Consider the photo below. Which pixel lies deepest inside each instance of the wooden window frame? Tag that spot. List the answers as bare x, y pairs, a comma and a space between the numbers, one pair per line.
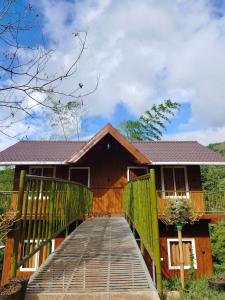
187, 194
193, 248
37, 255
81, 168
42, 167
134, 167
42, 172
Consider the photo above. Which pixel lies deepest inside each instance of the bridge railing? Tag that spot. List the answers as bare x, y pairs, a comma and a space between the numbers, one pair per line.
140, 207
45, 207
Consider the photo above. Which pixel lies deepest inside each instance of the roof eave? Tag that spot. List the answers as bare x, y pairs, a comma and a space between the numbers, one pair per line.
10, 163
215, 163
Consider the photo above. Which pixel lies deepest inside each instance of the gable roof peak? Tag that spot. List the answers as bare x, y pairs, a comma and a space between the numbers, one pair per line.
109, 129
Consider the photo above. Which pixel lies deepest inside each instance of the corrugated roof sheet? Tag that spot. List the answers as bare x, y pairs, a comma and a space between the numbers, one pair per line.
156, 152
178, 151
41, 151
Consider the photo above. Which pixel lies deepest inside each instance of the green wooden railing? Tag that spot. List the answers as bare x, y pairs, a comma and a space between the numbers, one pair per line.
45, 207
140, 207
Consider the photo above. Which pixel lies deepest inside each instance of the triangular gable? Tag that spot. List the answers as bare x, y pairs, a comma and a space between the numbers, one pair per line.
109, 129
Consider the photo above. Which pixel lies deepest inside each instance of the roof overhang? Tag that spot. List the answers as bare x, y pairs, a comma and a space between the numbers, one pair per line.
109, 129
12, 163
188, 163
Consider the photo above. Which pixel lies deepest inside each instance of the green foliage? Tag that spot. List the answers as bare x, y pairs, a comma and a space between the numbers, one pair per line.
213, 177
219, 268
195, 290
6, 179
191, 271
172, 284
219, 147
151, 124
217, 234
200, 290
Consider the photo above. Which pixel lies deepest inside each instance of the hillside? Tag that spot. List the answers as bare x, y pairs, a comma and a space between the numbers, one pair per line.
218, 147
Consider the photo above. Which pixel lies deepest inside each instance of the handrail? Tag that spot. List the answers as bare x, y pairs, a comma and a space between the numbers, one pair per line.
140, 207
55, 179
46, 206
142, 177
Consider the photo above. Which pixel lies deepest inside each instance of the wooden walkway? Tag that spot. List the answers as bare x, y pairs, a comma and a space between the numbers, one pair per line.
99, 260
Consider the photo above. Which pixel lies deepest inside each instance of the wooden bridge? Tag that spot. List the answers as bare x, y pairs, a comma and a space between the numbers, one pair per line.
98, 260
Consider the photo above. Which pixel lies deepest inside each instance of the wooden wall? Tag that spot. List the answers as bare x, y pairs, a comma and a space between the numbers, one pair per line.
108, 175
7, 258
199, 231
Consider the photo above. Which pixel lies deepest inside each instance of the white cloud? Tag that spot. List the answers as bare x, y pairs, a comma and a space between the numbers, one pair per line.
204, 136
144, 51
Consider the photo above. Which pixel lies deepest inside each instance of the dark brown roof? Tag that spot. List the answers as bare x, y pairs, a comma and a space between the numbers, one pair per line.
178, 152
60, 152
40, 151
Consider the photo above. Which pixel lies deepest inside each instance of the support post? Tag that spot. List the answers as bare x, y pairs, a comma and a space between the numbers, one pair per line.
181, 252
17, 224
155, 232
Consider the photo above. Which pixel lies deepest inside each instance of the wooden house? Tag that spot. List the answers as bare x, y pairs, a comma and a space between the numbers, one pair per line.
105, 163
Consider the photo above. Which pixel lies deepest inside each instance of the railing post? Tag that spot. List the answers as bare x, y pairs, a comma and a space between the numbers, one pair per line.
155, 231
51, 215
17, 225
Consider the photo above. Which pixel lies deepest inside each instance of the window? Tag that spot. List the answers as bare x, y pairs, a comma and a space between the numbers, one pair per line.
133, 172
174, 182
80, 175
189, 253
33, 263
41, 171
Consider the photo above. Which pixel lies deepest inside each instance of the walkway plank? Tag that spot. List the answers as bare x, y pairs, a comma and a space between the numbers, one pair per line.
99, 260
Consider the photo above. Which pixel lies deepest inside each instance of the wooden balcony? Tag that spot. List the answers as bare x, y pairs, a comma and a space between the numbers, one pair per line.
205, 204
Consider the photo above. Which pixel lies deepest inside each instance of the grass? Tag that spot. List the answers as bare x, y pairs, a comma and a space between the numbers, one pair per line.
195, 289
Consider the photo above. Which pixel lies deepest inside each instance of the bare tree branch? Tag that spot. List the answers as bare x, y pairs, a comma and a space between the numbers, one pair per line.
26, 81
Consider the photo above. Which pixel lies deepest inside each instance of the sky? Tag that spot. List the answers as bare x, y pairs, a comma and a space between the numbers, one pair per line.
142, 52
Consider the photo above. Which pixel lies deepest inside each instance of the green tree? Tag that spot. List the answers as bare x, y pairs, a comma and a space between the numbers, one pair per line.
151, 124
217, 233
213, 177
6, 178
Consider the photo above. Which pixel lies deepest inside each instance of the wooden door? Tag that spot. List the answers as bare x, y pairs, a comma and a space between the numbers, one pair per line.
108, 200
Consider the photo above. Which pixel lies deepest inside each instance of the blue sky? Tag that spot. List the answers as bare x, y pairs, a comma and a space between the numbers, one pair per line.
143, 52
